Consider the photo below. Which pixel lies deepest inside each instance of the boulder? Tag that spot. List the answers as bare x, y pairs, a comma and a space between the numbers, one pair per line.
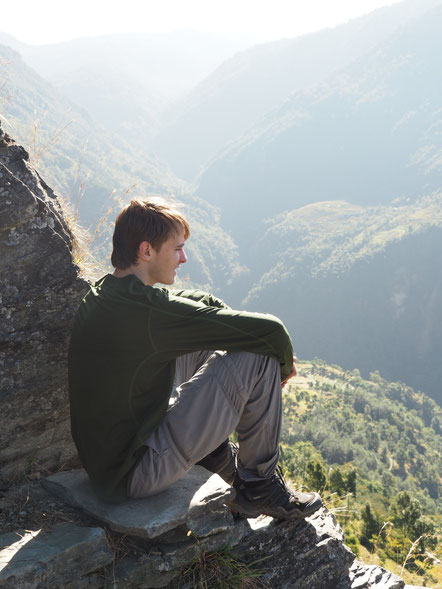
193, 503
362, 576
175, 526
166, 563
299, 554
39, 293
51, 559
189, 519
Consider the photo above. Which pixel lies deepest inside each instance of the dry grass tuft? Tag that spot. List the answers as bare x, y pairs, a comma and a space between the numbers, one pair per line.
222, 570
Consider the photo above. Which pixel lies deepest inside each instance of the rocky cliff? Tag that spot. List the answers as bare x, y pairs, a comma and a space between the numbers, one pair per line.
39, 290
180, 539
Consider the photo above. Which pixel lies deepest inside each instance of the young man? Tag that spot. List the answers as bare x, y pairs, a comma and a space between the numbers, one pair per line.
133, 343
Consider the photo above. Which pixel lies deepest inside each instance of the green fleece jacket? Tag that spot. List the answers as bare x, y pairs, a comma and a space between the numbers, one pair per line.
122, 352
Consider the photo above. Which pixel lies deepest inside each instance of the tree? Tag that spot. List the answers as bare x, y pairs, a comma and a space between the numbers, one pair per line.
350, 482
316, 475
372, 437
435, 424
388, 483
410, 527
430, 479
336, 482
371, 526
401, 454
406, 512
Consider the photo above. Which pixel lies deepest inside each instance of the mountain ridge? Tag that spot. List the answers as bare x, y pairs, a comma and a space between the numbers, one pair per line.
243, 89
97, 171
369, 134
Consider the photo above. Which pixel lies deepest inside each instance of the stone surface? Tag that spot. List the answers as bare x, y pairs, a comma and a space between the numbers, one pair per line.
39, 292
195, 501
291, 555
299, 555
362, 576
165, 563
51, 559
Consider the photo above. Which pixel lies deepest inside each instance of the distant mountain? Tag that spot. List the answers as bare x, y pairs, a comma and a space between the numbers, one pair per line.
115, 100
356, 276
357, 286
97, 170
243, 89
127, 80
369, 134
68, 146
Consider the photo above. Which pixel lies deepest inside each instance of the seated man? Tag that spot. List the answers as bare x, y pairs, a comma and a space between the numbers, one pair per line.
132, 341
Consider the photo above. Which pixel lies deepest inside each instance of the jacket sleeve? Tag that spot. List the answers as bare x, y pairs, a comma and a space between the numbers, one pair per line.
180, 326
200, 296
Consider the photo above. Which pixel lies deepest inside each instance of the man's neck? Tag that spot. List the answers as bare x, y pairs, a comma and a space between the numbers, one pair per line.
137, 270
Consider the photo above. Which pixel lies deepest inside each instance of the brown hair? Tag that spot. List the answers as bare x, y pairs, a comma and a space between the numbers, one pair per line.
152, 220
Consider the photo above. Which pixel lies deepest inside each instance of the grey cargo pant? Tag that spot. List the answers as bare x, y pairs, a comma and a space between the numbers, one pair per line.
218, 392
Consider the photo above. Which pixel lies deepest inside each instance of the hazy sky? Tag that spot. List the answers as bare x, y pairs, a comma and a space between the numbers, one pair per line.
50, 21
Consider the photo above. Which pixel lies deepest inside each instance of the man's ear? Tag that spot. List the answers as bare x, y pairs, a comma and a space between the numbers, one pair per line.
144, 251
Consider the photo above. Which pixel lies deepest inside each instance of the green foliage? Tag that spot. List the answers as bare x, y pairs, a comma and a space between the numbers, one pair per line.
348, 420
327, 238
412, 534
336, 482
352, 542
369, 448
408, 517
316, 476
371, 526
350, 484
342, 483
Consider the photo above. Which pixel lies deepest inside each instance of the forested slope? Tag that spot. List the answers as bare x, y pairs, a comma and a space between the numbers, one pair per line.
373, 449
359, 286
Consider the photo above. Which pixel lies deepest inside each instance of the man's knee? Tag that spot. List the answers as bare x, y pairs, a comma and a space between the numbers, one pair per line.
253, 366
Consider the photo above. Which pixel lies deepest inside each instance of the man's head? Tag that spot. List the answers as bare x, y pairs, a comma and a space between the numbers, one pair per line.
145, 221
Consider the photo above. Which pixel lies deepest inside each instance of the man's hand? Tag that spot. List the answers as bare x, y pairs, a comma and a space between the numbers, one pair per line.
293, 372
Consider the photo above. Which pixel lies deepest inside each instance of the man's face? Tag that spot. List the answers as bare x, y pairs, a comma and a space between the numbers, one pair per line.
165, 262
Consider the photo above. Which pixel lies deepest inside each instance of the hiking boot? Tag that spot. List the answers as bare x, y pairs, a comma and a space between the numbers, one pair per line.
222, 461
272, 497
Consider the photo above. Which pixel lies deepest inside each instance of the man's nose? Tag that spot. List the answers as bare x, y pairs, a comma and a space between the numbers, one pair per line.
183, 258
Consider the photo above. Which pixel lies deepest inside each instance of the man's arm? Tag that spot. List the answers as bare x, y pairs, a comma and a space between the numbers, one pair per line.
190, 325
200, 297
